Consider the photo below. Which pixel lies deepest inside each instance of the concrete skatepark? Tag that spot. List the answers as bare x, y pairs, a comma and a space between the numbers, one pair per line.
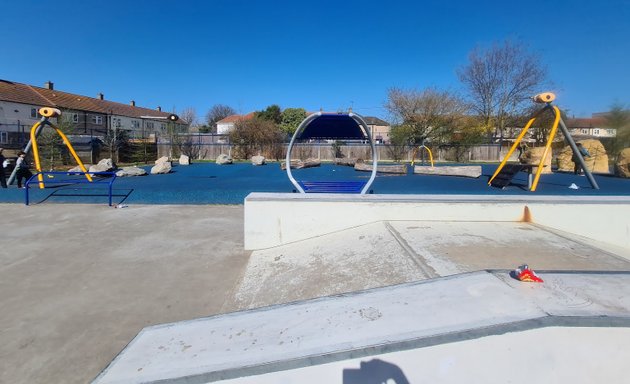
74, 299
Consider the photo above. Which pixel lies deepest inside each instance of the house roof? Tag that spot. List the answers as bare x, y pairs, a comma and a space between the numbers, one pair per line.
235, 118
370, 120
27, 94
588, 122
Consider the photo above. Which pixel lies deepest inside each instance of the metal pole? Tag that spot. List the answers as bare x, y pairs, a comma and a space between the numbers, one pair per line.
576, 151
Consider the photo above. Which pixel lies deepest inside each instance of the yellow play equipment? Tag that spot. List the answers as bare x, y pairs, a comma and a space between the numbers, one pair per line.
415, 150
37, 127
546, 98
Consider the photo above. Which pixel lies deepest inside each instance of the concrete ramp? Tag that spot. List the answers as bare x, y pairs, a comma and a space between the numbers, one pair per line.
382, 331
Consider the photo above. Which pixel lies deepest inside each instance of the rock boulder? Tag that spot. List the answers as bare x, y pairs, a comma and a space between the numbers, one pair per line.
163, 159
105, 165
223, 159
622, 166
164, 167
533, 156
130, 171
258, 160
596, 163
184, 160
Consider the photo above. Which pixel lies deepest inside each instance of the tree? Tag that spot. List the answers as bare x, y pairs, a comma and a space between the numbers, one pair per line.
216, 113
51, 143
500, 81
619, 118
428, 115
189, 115
252, 136
291, 119
272, 113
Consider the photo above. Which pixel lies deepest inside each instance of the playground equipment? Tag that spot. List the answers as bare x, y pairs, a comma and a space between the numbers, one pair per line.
332, 126
546, 98
36, 129
415, 150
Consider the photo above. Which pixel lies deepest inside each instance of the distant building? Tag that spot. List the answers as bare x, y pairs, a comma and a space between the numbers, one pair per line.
379, 129
20, 103
224, 126
592, 128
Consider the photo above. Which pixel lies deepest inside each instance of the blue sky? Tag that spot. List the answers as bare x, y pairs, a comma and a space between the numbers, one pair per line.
309, 54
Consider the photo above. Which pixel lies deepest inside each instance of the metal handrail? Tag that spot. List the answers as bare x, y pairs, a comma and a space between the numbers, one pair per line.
111, 177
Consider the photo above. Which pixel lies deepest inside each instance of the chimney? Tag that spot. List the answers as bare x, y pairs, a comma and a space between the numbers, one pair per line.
132, 103
159, 108
101, 96
49, 85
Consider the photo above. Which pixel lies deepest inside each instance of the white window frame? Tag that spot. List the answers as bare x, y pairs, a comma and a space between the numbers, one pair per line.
149, 125
4, 137
97, 119
135, 124
75, 117
596, 131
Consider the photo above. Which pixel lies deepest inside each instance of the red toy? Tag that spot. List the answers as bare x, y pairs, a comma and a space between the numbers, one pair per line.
523, 273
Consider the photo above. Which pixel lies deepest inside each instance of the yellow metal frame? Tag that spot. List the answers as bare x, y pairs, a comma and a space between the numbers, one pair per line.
518, 140
415, 150
51, 112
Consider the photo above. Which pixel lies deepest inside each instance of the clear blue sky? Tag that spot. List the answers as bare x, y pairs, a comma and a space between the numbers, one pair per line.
310, 54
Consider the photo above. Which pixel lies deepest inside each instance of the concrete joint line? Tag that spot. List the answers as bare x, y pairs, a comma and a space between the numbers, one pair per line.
417, 259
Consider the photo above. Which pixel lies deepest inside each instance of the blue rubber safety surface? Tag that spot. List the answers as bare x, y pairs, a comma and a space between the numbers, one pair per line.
208, 183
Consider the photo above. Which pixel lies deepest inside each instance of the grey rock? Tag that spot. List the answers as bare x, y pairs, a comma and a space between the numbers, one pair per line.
223, 159
184, 160
164, 167
130, 171
163, 159
105, 165
258, 160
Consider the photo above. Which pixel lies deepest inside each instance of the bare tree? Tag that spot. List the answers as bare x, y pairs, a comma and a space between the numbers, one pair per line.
189, 115
216, 113
430, 114
500, 80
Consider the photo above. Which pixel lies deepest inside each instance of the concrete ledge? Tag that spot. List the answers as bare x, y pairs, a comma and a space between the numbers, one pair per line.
370, 323
274, 219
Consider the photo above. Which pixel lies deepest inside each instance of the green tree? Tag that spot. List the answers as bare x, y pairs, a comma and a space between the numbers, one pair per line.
291, 119
254, 136
51, 143
271, 113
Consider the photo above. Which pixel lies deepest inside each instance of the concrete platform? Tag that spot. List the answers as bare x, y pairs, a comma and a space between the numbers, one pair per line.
78, 282
378, 322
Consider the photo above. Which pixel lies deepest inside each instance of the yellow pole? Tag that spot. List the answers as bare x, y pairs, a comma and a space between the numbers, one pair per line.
430, 154
547, 147
516, 142
413, 155
38, 165
74, 154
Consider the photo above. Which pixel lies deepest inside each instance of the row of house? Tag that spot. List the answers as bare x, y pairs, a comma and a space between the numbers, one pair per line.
93, 116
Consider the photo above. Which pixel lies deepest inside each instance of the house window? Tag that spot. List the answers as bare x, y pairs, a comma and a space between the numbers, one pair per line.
75, 117
595, 131
4, 138
116, 122
96, 119
35, 113
135, 124
611, 132
584, 131
149, 125
163, 126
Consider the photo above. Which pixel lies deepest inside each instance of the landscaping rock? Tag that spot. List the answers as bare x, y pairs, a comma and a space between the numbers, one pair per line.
299, 164
400, 169
78, 168
105, 165
532, 156
130, 171
163, 159
622, 166
348, 161
184, 160
473, 171
258, 160
164, 167
223, 159
596, 163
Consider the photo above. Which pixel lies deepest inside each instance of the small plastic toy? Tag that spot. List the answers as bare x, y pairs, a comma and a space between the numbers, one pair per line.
523, 273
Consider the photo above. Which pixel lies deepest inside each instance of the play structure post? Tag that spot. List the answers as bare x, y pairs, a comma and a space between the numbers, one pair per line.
39, 126
575, 150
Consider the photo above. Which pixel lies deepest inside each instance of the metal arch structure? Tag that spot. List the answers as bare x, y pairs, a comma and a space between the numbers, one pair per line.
361, 124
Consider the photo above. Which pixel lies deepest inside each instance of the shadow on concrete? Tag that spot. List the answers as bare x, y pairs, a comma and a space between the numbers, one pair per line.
61, 193
375, 371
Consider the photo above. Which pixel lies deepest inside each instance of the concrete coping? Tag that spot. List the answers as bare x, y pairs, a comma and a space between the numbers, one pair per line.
365, 323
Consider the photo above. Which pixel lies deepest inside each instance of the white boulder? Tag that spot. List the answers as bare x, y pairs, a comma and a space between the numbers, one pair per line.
130, 171
258, 160
184, 160
223, 159
164, 167
105, 165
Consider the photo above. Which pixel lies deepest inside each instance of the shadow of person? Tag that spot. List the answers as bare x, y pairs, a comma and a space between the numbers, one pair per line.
375, 371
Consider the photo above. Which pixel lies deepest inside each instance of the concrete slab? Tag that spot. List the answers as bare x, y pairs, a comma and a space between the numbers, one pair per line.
393, 252
367, 323
77, 282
